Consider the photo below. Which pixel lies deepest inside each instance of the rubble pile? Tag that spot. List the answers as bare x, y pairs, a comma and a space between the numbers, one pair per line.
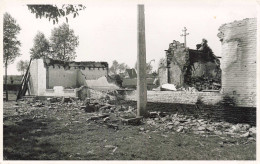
189, 124
99, 111
101, 95
101, 83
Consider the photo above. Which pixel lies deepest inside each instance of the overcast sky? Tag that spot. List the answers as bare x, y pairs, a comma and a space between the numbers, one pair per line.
107, 30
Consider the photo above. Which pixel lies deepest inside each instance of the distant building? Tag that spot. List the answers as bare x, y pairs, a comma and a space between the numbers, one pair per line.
130, 73
130, 80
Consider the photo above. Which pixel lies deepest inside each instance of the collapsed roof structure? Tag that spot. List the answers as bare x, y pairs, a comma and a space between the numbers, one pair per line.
235, 77
191, 68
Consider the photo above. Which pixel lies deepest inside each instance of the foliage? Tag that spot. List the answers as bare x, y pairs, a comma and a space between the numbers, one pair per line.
41, 47
114, 67
64, 42
118, 67
54, 12
149, 67
122, 67
10, 42
22, 66
116, 79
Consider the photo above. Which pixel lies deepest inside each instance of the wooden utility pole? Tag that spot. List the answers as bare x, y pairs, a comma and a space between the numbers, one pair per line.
184, 35
141, 64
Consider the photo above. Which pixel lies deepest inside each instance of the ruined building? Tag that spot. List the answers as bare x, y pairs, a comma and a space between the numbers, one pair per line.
236, 73
48, 77
191, 68
238, 61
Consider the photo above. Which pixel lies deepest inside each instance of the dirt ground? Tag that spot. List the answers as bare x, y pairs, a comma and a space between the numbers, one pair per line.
43, 130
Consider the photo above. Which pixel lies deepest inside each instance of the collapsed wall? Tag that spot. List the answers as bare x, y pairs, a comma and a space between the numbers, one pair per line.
50, 77
177, 60
162, 73
101, 84
238, 62
203, 71
186, 67
72, 74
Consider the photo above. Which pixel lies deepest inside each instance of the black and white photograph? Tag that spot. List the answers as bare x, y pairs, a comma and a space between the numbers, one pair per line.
122, 80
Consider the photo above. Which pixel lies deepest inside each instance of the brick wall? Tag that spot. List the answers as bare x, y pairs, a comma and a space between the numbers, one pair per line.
81, 79
238, 61
163, 75
184, 103
41, 77
176, 75
58, 76
209, 98
59, 91
94, 73
45, 76
33, 80
178, 57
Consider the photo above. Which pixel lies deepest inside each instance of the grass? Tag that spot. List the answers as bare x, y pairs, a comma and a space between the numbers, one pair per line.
65, 134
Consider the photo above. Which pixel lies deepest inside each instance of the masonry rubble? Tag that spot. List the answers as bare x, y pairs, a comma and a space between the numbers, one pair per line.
117, 116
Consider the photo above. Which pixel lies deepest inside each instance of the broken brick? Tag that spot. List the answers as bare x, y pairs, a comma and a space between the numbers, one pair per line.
90, 108
66, 99
99, 117
113, 126
132, 121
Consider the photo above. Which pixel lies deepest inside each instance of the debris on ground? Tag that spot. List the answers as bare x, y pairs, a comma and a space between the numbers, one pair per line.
97, 109
101, 83
131, 121
168, 87
66, 100
99, 117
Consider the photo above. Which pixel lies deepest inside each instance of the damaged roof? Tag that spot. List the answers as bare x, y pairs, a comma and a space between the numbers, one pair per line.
197, 55
91, 64
131, 73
